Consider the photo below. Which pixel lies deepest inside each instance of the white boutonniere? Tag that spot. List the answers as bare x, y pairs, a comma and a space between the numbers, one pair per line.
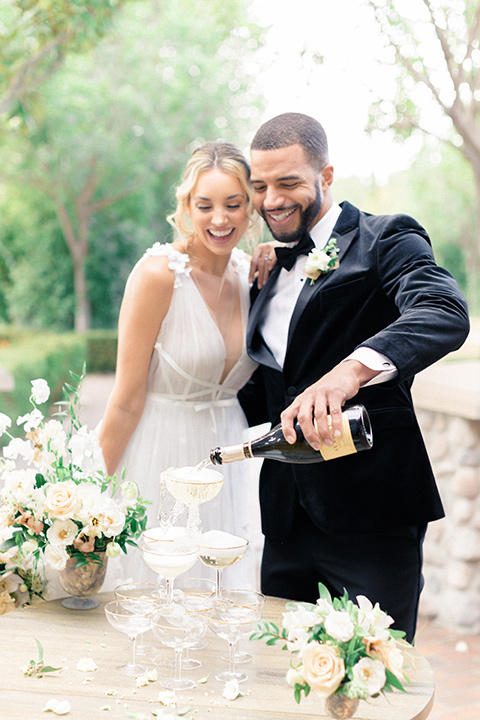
321, 261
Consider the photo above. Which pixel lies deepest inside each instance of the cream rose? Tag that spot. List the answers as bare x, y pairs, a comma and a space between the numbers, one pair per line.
322, 667
62, 501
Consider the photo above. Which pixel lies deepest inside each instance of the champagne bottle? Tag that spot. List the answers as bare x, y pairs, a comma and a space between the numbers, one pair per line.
356, 436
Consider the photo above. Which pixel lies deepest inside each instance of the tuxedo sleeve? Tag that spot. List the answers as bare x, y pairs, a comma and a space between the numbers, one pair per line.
252, 398
432, 312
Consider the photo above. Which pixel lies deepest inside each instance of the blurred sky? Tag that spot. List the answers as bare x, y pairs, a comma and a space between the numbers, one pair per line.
338, 85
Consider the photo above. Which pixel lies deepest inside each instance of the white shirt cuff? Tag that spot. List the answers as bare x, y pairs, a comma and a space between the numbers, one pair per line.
375, 361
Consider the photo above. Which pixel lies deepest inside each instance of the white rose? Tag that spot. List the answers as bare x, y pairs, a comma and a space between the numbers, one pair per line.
56, 556
62, 500
231, 690
30, 421
40, 391
62, 532
370, 673
112, 521
5, 423
339, 626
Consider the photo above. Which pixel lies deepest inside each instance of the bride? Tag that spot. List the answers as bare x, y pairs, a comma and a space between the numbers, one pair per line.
182, 356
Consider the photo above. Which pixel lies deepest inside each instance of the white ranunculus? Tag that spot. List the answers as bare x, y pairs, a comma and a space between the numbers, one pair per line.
339, 626
293, 677
113, 549
5, 423
371, 673
17, 447
62, 532
317, 260
129, 491
40, 391
55, 556
31, 420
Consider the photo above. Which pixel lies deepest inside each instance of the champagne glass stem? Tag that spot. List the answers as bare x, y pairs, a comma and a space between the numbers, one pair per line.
218, 582
178, 664
169, 591
231, 657
133, 638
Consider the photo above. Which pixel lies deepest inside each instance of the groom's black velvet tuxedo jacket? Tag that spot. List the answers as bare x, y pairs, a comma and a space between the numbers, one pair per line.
387, 294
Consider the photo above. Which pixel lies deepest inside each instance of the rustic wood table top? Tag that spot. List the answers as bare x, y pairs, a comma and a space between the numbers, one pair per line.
67, 636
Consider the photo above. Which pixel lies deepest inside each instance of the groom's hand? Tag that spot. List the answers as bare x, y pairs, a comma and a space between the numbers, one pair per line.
325, 397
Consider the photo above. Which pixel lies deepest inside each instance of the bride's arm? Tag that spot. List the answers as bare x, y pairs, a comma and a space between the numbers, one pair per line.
146, 301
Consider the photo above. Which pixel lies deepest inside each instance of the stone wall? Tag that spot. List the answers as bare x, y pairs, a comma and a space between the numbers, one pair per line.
447, 401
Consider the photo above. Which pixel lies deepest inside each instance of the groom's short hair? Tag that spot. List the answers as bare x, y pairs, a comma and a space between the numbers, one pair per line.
292, 129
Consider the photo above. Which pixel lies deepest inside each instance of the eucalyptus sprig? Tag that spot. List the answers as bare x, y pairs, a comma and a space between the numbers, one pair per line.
38, 667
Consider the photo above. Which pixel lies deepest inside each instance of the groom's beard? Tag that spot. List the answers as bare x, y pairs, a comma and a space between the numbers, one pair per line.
307, 217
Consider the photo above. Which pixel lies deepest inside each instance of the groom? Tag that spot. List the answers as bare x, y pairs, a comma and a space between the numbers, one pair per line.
357, 334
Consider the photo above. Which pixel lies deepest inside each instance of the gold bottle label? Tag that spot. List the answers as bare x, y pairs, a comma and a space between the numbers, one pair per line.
343, 445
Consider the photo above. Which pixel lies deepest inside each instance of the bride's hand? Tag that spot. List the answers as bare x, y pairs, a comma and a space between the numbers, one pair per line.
262, 262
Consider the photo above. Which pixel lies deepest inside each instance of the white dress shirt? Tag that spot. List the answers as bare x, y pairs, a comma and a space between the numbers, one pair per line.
281, 302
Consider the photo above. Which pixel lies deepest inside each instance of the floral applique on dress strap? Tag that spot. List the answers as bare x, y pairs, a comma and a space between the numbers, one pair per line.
177, 261
240, 260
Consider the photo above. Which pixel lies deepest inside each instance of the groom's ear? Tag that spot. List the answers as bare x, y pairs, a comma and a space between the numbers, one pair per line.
326, 177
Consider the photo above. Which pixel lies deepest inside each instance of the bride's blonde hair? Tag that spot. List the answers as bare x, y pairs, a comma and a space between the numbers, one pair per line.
226, 157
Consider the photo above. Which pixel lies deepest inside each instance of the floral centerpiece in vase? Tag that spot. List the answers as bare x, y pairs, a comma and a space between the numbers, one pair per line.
344, 652
58, 507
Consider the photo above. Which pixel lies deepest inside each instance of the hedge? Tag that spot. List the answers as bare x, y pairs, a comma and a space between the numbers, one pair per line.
29, 354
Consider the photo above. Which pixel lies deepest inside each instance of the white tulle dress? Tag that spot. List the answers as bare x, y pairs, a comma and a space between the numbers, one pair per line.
188, 411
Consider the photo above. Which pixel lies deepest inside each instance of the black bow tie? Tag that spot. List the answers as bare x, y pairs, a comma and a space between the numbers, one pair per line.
286, 256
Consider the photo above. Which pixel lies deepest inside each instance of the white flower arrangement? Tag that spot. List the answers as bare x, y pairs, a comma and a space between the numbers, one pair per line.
339, 647
321, 261
57, 501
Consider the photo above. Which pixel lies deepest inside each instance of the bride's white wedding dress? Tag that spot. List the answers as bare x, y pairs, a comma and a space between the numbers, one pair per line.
188, 411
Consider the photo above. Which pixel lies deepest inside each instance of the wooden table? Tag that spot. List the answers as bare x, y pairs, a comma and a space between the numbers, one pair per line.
67, 636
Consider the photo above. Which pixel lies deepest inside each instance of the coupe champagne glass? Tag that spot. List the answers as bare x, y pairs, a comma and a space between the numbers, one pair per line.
219, 549
169, 559
192, 486
244, 598
179, 630
130, 592
132, 618
195, 595
232, 622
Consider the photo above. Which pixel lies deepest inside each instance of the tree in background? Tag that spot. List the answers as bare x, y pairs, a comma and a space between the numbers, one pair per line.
436, 44
35, 36
107, 142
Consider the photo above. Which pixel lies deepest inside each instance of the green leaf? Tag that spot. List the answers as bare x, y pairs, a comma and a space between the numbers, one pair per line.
183, 711
49, 668
297, 693
39, 651
324, 592
393, 680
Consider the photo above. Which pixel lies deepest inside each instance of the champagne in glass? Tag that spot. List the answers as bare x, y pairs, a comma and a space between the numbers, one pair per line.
193, 487
169, 559
219, 550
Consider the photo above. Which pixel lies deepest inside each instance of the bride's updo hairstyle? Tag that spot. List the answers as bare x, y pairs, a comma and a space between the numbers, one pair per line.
225, 157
